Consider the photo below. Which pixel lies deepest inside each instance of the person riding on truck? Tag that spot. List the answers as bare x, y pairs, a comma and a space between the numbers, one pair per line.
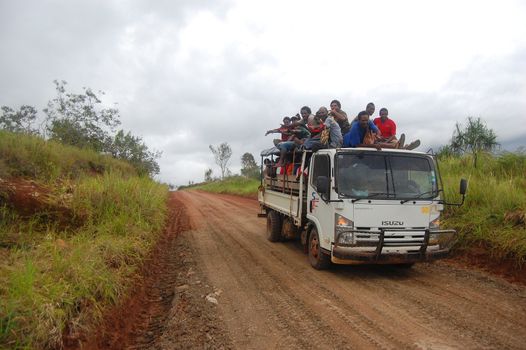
363, 134
388, 129
284, 129
360, 134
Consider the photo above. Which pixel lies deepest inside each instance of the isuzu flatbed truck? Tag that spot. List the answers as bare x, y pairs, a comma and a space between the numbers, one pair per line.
359, 206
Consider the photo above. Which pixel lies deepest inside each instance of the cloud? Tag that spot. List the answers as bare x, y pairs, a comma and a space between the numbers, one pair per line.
187, 74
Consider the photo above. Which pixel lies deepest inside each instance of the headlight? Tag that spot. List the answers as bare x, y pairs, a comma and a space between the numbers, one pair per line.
346, 238
433, 238
342, 226
444, 240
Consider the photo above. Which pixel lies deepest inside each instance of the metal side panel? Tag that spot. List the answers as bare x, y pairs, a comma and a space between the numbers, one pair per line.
282, 202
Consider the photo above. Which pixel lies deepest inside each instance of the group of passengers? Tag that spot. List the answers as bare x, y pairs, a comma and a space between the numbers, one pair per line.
332, 129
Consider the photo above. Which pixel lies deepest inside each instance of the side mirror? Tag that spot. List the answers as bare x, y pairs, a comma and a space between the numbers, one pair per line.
322, 185
463, 186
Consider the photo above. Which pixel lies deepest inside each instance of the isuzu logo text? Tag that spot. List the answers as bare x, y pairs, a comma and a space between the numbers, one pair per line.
392, 223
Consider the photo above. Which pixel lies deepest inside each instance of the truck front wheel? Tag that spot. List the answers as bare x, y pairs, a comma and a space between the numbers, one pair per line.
317, 258
274, 223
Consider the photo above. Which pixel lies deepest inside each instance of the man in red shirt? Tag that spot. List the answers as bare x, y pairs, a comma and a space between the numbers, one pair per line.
388, 129
387, 126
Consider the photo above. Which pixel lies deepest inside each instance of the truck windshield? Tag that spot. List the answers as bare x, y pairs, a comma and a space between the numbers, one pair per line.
385, 176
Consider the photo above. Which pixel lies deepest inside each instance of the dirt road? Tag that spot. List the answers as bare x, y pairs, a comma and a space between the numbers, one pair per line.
269, 297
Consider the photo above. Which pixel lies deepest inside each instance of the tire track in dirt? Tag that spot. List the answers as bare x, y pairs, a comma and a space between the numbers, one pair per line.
165, 309
282, 310
358, 322
382, 307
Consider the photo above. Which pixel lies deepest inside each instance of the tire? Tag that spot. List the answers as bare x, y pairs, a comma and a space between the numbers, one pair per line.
274, 223
317, 259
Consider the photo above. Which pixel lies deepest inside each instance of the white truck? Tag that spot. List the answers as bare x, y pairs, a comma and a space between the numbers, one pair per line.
358, 206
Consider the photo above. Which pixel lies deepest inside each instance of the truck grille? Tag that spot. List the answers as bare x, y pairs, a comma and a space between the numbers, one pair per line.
403, 238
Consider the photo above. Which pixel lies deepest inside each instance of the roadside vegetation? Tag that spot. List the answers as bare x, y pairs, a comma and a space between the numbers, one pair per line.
494, 214
238, 185
75, 227
245, 184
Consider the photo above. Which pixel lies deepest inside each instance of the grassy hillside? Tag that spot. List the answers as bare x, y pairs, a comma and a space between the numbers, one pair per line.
494, 213
74, 228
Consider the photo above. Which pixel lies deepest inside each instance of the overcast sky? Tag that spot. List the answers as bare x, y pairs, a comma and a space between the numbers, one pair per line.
189, 73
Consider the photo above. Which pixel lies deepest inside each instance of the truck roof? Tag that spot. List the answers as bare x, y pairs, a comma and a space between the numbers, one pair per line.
367, 149
275, 151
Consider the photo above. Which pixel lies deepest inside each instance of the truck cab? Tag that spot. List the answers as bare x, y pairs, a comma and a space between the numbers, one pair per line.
360, 205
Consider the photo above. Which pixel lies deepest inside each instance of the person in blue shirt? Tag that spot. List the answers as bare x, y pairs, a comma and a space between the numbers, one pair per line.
355, 136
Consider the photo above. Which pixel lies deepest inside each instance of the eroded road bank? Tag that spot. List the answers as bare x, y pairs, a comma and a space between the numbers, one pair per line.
221, 284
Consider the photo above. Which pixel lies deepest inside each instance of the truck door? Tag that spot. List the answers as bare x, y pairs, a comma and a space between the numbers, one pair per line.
318, 211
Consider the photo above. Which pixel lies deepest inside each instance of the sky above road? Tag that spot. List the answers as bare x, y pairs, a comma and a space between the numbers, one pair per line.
186, 74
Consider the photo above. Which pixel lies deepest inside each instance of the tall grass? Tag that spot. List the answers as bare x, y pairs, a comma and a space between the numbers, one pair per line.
497, 188
56, 278
238, 185
35, 158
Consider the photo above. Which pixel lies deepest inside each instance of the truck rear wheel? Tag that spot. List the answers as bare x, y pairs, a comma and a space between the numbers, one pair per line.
317, 259
274, 223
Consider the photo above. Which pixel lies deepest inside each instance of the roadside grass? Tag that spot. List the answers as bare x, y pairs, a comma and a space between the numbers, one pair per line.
47, 161
237, 185
57, 279
495, 208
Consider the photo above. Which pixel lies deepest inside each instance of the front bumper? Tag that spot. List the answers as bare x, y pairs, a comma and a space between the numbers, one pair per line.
384, 252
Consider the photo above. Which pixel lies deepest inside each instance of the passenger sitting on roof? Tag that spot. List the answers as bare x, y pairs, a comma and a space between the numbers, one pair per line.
370, 110
340, 116
335, 135
315, 128
388, 128
284, 129
361, 133
306, 117
299, 134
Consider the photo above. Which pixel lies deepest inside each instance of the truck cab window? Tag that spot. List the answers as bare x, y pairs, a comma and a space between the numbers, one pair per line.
321, 167
413, 176
362, 175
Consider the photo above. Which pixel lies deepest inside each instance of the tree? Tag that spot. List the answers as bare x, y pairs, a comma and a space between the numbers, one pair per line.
476, 137
249, 167
18, 121
222, 154
208, 175
78, 119
132, 149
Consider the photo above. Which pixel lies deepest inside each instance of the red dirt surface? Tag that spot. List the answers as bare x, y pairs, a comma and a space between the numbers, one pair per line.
28, 198
480, 258
165, 294
215, 281
25, 196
